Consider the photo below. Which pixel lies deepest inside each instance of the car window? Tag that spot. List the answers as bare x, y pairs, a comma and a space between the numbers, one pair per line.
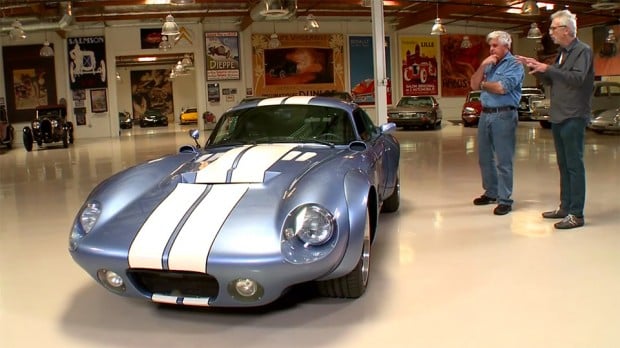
365, 128
284, 123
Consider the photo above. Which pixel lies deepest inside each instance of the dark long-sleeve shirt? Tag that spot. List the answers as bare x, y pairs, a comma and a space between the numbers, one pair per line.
571, 82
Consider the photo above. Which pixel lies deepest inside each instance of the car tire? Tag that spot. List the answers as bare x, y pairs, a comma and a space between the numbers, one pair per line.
27, 137
70, 129
392, 203
352, 285
65, 139
545, 124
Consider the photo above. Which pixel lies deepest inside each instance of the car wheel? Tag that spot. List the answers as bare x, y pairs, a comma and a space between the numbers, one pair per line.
65, 139
438, 125
352, 285
545, 124
70, 128
27, 137
392, 203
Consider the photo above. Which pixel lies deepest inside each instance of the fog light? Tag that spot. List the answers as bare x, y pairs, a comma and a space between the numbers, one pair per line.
111, 280
245, 289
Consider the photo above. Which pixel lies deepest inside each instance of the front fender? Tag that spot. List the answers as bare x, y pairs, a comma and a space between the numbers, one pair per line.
361, 197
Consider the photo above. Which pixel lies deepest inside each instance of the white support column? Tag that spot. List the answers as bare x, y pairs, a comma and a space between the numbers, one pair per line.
378, 39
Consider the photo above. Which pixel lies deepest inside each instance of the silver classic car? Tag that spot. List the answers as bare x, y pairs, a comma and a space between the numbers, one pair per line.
416, 111
285, 191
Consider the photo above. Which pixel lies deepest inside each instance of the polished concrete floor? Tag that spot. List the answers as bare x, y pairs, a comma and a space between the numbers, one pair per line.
445, 273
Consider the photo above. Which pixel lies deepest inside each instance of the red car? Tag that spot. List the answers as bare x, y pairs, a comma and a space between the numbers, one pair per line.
471, 109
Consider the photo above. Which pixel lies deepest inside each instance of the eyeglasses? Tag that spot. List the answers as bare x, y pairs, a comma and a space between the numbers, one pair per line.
554, 28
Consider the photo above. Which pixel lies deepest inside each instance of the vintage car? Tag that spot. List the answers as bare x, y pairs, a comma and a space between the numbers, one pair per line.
606, 121
340, 95
50, 125
153, 118
7, 132
285, 191
124, 120
470, 114
416, 111
188, 116
528, 95
605, 97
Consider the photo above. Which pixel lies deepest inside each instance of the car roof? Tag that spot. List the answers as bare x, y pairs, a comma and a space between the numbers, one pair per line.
296, 100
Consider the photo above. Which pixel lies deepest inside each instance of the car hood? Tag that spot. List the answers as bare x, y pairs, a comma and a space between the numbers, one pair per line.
220, 202
411, 109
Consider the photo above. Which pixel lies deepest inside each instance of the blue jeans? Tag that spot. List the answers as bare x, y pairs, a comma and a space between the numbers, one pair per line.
496, 150
568, 137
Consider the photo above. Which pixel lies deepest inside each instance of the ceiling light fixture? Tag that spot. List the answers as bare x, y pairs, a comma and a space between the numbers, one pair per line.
17, 31
530, 8
170, 27
312, 24
466, 43
165, 44
274, 42
534, 32
46, 50
611, 38
438, 28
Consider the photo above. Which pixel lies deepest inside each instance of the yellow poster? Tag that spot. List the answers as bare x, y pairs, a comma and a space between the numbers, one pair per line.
419, 65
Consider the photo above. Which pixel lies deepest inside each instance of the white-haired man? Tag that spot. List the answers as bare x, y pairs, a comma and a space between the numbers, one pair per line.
499, 78
571, 78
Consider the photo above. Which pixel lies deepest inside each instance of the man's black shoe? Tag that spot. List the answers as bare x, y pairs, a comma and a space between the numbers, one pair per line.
484, 200
559, 213
502, 209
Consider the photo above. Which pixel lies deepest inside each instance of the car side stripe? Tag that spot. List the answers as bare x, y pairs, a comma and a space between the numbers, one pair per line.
148, 247
254, 163
193, 243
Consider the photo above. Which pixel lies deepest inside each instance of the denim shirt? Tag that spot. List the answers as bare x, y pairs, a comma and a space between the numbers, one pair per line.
509, 72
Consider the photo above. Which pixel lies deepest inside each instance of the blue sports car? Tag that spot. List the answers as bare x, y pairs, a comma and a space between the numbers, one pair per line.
285, 191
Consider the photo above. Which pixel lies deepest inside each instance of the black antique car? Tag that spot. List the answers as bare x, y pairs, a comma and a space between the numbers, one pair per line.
6, 129
50, 125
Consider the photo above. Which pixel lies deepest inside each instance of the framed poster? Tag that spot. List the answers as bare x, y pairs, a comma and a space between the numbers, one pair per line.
222, 56
80, 116
98, 100
150, 38
87, 65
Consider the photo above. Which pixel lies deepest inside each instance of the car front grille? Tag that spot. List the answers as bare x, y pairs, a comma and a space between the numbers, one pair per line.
174, 283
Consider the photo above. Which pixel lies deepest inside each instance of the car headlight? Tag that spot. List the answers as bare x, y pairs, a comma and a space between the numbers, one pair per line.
54, 123
308, 234
36, 125
89, 216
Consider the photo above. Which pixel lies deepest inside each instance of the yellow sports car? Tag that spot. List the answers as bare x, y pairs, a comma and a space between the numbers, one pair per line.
189, 115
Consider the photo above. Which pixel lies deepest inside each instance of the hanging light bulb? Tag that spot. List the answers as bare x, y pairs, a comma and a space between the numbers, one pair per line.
170, 27
539, 46
311, 24
274, 42
187, 61
530, 8
46, 50
534, 32
438, 28
17, 31
611, 38
165, 44
118, 76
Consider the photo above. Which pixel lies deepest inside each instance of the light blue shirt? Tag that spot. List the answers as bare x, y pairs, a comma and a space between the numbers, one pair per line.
509, 72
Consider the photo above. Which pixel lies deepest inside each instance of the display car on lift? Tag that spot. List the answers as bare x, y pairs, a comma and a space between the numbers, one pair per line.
285, 191
50, 125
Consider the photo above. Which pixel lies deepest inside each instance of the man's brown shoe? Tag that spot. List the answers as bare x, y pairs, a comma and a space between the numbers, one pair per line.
570, 221
483, 200
559, 213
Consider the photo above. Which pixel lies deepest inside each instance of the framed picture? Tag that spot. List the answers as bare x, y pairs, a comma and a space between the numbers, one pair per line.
98, 100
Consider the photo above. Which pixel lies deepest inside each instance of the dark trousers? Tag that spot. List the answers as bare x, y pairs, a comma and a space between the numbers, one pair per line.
568, 137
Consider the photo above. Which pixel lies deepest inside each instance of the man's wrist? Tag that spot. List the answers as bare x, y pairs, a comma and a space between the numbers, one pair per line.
481, 85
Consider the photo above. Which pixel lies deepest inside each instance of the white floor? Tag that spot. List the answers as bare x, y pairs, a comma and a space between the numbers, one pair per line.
445, 273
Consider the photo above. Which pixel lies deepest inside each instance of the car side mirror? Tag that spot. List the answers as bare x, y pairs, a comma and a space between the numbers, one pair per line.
195, 134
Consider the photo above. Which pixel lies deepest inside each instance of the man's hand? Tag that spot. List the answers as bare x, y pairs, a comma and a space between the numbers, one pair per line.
534, 65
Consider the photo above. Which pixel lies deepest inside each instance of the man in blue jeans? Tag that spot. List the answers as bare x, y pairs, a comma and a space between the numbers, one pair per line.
571, 78
499, 79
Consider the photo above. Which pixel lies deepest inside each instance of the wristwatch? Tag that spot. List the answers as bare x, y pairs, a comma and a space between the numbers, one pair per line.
481, 85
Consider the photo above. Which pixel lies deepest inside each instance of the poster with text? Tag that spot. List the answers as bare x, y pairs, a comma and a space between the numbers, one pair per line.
87, 65
222, 56
303, 64
419, 67
361, 62
461, 55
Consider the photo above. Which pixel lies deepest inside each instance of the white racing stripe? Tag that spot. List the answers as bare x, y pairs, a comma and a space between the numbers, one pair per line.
193, 243
215, 172
253, 164
188, 301
148, 247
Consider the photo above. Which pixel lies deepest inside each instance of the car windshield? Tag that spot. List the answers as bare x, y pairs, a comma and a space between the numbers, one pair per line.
415, 101
190, 110
283, 124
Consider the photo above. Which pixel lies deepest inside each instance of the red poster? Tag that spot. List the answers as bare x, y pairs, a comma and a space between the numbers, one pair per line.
419, 65
461, 55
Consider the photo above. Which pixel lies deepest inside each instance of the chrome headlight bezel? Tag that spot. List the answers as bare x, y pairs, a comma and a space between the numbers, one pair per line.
309, 233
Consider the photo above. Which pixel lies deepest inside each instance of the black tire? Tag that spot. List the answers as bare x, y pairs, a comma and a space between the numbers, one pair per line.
65, 139
11, 135
354, 284
392, 203
70, 129
545, 124
27, 137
